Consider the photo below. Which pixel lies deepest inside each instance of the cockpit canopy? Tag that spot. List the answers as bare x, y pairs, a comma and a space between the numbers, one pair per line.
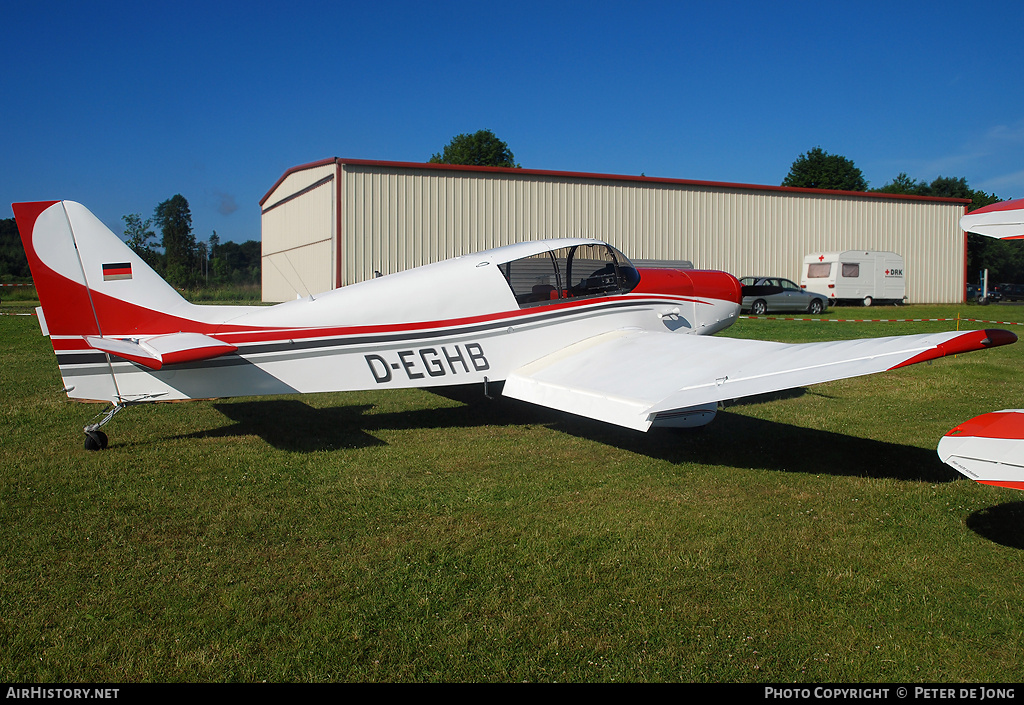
572, 272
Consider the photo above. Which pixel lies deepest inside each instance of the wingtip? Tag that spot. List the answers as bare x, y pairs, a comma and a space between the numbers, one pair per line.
965, 342
994, 337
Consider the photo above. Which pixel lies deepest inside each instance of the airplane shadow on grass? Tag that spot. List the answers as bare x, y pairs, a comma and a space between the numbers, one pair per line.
732, 439
1000, 524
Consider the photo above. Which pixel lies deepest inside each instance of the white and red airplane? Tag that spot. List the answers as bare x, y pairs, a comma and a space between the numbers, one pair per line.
569, 324
990, 448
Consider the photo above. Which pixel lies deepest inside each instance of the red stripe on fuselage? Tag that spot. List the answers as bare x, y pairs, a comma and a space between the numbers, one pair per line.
241, 335
262, 335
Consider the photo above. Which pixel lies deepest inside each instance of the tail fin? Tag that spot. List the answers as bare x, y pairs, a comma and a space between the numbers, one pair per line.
110, 317
89, 282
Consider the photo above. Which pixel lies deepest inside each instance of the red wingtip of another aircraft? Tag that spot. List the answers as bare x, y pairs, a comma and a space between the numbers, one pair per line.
996, 424
1003, 483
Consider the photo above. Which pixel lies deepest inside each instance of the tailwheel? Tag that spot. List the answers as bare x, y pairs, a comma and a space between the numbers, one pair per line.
95, 440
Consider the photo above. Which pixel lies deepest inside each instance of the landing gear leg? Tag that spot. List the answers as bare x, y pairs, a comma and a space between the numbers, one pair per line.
95, 439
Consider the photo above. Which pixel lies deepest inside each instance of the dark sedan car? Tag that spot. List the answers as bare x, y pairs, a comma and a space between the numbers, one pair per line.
764, 294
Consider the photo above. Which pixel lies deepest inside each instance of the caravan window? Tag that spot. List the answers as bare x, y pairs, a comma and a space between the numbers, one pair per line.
570, 272
819, 270
851, 270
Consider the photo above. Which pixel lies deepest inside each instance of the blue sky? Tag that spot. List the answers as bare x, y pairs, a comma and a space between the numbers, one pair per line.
123, 105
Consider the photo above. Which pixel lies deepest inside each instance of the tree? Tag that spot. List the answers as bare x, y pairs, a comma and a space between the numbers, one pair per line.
236, 263
903, 184
13, 262
174, 219
819, 169
940, 187
482, 148
137, 235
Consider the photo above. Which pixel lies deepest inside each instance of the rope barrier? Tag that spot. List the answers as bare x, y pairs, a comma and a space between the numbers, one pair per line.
884, 320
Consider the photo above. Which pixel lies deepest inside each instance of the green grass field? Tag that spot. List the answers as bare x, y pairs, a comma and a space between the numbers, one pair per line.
813, 536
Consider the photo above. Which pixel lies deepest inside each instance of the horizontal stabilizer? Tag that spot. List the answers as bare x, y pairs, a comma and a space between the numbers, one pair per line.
160, 350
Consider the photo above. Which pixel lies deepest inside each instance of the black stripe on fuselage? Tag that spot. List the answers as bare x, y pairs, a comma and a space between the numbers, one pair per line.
421, 334
431, 333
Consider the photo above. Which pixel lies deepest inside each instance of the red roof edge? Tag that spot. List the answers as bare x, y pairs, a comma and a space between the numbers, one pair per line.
604, 177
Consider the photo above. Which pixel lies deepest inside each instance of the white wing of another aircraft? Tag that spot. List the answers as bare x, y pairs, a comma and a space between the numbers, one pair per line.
988, 448
566, 323
1003, 220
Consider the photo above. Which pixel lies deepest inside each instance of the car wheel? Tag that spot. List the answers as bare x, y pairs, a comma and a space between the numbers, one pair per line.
868, 300
759, 308
817, 307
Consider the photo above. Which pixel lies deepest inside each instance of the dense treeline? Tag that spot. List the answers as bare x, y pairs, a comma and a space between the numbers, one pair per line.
181, 259
13, 264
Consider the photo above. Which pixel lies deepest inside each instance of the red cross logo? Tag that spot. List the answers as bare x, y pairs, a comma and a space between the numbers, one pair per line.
821, 258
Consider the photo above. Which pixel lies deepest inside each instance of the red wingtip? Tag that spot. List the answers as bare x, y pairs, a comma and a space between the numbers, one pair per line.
968, 342
997, 337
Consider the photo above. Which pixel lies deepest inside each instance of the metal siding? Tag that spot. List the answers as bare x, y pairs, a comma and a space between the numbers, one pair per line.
395, 218
299, 236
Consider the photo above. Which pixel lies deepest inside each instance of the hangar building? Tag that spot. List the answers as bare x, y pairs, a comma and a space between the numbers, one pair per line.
340, 221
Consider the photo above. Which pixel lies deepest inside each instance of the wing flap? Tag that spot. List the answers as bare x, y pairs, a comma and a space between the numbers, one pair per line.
627, 377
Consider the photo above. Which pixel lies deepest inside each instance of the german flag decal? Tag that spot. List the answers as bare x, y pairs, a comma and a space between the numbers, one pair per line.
118, 270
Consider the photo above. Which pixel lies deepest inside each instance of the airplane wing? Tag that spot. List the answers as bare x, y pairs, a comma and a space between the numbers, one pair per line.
1003, 220
630, 377
988, 448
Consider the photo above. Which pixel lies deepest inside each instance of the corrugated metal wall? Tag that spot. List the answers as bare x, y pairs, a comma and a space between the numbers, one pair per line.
394, 217
299, 235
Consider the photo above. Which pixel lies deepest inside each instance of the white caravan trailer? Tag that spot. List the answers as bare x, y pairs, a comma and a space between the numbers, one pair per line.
855, 276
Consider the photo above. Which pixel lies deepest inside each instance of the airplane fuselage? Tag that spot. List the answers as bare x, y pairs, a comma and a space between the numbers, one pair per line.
455, 322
